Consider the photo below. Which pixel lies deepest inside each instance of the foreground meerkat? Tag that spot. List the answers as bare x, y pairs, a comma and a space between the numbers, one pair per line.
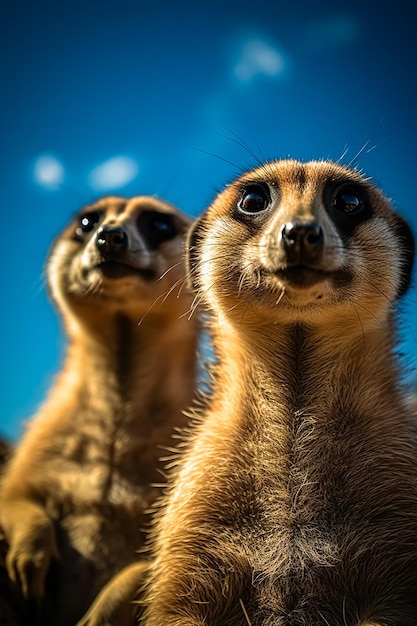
74, 499
295, 503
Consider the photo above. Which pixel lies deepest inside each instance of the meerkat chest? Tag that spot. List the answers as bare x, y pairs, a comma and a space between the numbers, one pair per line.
327, 522
99, 497
94, 465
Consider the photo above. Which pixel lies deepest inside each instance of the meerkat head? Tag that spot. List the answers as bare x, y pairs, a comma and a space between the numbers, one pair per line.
297, 242
120, 255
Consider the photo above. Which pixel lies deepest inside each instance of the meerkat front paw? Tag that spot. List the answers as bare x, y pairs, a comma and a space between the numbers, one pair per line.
116, 604
32, 546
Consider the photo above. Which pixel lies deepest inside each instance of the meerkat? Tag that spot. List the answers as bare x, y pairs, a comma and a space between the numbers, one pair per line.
295, 502
74, 498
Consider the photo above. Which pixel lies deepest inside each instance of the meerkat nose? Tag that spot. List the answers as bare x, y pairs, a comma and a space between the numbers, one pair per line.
111, 239
302, 241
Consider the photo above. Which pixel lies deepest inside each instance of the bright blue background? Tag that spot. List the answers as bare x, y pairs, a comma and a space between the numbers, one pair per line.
168, 86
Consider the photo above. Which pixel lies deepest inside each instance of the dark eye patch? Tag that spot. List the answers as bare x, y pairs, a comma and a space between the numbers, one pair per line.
87, 222
347, 204
156, 227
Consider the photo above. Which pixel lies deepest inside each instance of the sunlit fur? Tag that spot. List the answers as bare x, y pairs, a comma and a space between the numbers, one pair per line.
74, 499
295, 502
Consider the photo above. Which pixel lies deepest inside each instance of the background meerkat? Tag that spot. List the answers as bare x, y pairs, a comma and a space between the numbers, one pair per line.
74, 497
296, 501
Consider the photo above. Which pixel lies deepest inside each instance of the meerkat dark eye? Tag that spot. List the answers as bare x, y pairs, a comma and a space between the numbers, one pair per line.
163, 225
348, 201
87, 223
254, 199
348, 204
157, 227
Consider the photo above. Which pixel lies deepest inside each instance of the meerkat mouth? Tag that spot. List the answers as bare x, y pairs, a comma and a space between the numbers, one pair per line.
116, 269
303, 276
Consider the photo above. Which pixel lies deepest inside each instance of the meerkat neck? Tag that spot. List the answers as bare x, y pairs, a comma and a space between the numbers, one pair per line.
304, 367
106, 363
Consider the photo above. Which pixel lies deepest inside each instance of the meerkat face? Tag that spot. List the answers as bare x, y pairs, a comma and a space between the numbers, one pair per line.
292, 241
119, 252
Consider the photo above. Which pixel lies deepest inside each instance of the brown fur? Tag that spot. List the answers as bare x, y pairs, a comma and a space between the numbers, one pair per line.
74, 500
295, 503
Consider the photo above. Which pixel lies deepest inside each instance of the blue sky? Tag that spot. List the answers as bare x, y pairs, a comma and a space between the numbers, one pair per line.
172, 100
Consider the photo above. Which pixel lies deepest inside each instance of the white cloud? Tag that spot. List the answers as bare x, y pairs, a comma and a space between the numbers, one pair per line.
258, 58
48, 171
113, 173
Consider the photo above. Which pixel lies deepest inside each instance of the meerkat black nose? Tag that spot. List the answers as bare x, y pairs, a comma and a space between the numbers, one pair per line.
302, 241
111, 240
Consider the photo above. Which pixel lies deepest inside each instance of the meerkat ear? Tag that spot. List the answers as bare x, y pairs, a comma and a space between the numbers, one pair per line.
407, 247
191, 245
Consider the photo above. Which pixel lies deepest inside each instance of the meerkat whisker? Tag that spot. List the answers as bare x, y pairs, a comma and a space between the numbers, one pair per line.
358, 153
39, 284
281, 295
344, 153
170, 270
245, 612
238, 141
171, 289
